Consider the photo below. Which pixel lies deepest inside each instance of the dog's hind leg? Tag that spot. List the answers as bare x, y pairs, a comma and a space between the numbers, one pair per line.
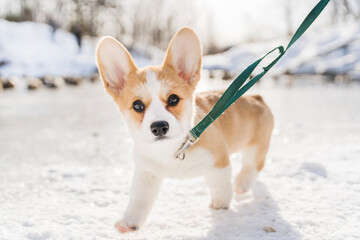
253, 161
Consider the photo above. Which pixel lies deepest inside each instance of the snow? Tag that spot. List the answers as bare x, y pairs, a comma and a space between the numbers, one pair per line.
66, 167
30, 50
334, 50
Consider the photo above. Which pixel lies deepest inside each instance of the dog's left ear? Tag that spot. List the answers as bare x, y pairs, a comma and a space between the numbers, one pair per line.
184, 55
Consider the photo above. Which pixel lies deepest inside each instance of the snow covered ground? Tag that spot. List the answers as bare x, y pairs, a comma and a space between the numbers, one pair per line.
65, 170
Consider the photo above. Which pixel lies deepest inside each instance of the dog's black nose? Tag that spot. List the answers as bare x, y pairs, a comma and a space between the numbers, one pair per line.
159, 128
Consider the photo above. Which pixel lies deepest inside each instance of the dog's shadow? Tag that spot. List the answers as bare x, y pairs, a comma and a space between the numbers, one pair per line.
255, 216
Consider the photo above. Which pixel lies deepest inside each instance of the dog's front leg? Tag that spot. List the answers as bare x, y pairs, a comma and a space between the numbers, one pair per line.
144, 190
219, 181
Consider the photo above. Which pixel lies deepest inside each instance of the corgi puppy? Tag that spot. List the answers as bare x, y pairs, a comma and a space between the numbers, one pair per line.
160, 107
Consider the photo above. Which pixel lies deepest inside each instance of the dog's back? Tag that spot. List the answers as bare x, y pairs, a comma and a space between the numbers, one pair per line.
246, 124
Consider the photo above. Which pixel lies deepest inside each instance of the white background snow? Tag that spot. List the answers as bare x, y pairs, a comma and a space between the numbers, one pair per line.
65, 155
333, 50
30, 50
66, 167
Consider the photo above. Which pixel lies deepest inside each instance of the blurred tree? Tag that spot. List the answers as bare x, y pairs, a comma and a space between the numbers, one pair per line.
132, 22
155, 22
145, 22
288, 17
345, 9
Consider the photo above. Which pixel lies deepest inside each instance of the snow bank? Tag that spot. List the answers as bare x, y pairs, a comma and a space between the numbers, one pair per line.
30, 49
335, 50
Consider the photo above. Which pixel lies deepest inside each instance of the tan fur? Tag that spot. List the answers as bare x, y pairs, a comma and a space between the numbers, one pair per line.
165, 73
248, 122
246, 125
178, 86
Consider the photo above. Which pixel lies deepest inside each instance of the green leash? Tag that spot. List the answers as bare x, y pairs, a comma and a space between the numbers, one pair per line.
235, 90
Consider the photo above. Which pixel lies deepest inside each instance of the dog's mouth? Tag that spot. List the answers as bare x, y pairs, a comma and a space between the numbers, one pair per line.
160, 138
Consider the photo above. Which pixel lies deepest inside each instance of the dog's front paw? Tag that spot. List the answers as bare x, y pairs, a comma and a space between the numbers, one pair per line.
219, 204
123, 227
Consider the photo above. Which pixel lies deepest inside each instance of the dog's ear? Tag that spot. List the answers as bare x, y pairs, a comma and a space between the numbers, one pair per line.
114, 63
184, 55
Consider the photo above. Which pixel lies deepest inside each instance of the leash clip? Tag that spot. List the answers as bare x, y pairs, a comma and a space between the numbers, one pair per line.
190, 140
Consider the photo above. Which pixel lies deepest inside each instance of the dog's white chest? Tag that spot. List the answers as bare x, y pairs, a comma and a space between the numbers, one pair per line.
195, 164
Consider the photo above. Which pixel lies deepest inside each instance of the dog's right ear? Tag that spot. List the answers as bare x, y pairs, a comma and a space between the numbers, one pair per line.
114, 63
184, 55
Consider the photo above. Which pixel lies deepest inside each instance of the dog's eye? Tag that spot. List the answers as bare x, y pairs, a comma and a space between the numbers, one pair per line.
138, 106
173, 100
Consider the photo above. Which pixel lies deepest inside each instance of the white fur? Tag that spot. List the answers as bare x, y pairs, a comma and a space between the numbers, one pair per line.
249, 172
144, 189
196, 163
156, 111
219, 181
149, 173
155, 159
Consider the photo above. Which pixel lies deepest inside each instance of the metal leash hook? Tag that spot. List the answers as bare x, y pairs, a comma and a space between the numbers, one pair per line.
190, 140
